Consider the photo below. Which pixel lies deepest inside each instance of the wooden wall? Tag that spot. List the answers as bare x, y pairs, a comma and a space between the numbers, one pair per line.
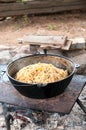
13, 8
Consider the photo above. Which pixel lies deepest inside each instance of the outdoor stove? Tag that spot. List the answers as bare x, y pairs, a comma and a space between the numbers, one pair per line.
61, 104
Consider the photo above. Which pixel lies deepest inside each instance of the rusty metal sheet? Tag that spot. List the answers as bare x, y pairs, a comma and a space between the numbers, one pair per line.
62, 103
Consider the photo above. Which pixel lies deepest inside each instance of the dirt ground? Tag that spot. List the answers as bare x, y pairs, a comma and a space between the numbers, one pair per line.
71, 24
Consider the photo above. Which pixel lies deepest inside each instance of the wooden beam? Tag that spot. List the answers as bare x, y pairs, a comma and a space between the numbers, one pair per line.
39, 7
7, 1
38, 4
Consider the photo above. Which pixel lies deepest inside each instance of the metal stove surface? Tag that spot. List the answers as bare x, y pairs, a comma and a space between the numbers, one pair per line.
62, 103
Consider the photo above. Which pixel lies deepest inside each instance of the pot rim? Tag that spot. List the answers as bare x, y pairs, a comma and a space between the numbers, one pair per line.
31, 55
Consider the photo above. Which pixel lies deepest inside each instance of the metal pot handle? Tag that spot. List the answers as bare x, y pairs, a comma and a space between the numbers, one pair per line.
2, 73
77, 65
44, 51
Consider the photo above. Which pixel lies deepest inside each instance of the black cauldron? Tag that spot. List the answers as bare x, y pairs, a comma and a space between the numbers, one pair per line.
41, 91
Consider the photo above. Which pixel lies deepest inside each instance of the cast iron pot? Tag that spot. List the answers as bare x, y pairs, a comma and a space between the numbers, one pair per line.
41, 91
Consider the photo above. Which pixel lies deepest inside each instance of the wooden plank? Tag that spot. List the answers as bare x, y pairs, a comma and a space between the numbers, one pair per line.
41, 11
46, 41
7, 1
50, 47
38, 7
37, 4
67, 45
28, 5
60, 42
73, 0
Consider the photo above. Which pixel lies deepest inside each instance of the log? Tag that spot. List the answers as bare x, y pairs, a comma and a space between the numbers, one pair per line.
39, 7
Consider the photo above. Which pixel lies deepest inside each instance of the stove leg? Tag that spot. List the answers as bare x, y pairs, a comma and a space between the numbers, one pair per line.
7, 116
61, 114
81, 105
